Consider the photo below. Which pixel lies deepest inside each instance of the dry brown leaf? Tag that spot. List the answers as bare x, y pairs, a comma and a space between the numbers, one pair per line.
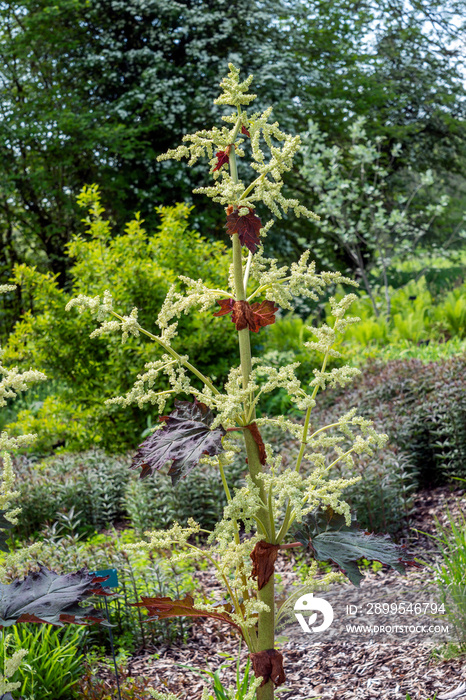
269, 665
264, 556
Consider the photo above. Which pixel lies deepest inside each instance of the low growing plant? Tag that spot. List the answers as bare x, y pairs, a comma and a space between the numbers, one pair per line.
280, 506
43, 596
449, 575
53, 663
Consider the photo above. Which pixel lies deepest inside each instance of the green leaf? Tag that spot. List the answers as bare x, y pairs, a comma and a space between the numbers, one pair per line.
184, 439
331, 539
45, 596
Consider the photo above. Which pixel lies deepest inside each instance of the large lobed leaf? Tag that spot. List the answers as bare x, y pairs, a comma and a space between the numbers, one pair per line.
163, 608
45, 596
331, 539
184, 439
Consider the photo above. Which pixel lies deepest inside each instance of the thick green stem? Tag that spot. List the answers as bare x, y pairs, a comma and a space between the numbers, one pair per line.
266, 636
266, 622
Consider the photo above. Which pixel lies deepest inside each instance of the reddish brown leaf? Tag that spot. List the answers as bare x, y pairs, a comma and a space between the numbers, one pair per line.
226, 307
245, 131
245, 315
223, 158
247, 227
163, 608
264, 314
269, 665
254, 430
264, 556
253, 316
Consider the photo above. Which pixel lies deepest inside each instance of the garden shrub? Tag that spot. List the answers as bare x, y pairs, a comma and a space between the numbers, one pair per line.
92, 483
102, 490
423, 409
139, 269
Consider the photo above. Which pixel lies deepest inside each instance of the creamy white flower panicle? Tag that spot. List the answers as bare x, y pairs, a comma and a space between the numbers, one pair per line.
283, 284
14, 381
268, 185
198, 295
11, 665
142, 391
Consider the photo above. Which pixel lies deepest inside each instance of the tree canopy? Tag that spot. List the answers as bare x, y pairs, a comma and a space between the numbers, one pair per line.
94, 90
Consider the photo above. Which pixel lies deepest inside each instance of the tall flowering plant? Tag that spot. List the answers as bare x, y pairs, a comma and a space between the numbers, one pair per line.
279, 506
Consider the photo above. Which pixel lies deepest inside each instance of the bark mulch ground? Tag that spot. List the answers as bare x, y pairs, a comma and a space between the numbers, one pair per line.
341, 665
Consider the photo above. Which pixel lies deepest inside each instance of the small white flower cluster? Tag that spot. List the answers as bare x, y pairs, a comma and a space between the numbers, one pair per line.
303, 494
14, 381
364, 441
263, 379
99, 308
282, 284
244, 507
8, 443
7, 494
165, 539
142, 391
197, 295
267, 187
338, 375
326, 336
128, 325
11, 665
234, 92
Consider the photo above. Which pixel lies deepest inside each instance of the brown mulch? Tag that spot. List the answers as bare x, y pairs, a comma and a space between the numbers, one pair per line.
339, 665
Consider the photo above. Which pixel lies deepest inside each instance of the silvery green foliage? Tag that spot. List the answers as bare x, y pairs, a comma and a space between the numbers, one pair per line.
357, 205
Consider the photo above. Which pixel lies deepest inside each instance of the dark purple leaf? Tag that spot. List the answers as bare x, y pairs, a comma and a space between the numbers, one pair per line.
184, 439
331, 539
45, 596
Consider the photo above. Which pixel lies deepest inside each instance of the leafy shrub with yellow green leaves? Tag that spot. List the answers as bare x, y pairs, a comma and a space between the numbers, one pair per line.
139, 268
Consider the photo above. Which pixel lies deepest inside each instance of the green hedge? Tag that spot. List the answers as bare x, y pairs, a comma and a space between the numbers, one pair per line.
138, 269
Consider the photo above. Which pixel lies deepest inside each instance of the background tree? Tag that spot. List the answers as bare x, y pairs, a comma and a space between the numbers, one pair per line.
361, 214
397, 64
93, 91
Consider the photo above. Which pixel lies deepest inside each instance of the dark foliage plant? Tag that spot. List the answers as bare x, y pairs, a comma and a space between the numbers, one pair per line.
423, 409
